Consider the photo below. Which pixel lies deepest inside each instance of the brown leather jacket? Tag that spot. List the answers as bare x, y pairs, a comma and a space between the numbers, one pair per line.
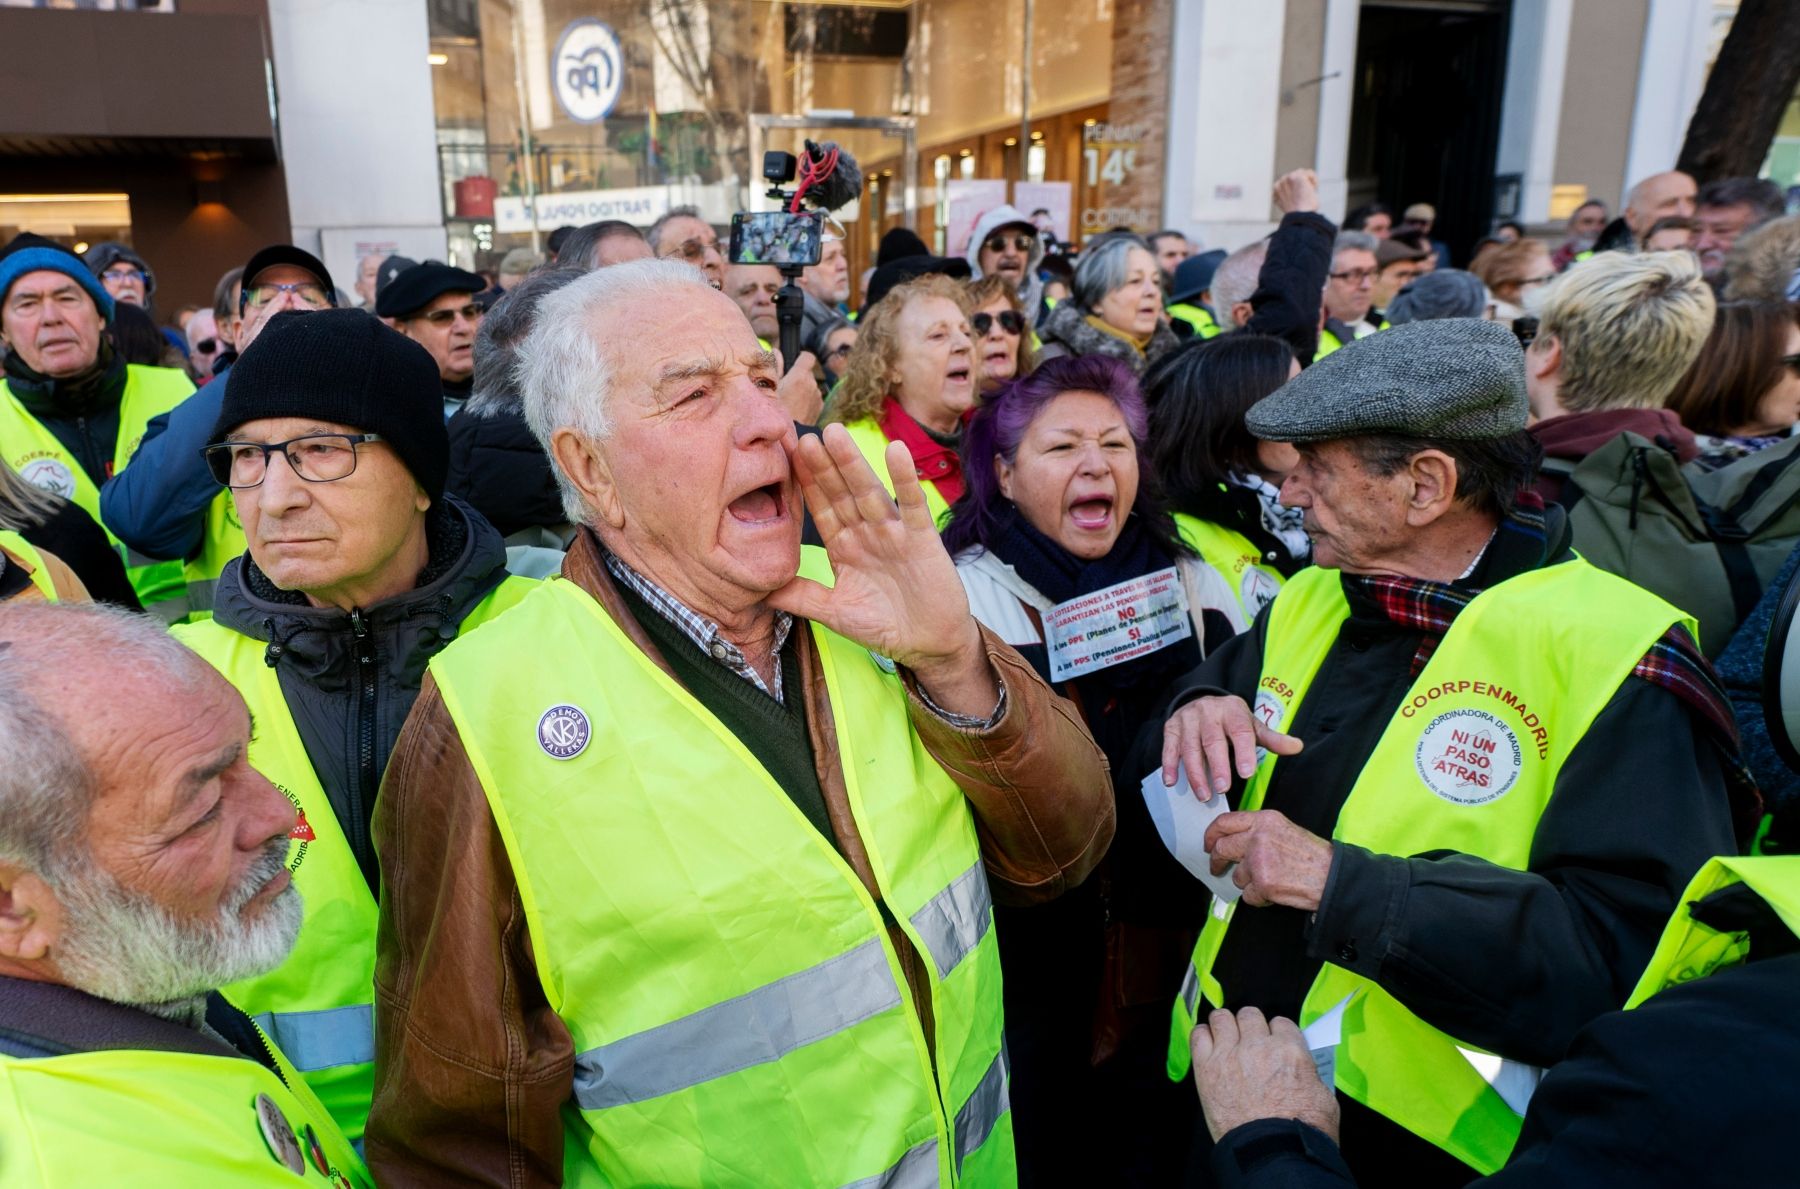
472, 1068
16, 583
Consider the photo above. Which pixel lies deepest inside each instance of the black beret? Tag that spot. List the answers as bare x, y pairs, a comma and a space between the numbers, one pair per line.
422, 284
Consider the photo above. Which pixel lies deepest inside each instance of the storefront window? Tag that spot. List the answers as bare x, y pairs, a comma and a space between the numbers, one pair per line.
557, 112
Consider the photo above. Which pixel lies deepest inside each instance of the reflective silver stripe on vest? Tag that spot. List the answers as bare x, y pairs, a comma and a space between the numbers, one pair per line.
200, 594
314, 1040
1190, 991
986, 1103
915, 1170
755, 1028
955, 920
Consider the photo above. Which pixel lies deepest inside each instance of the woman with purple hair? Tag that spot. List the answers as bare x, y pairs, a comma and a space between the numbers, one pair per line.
1066, 551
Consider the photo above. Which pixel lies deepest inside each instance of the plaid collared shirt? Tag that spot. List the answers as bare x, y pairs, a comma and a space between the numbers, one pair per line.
705, 633
702, 631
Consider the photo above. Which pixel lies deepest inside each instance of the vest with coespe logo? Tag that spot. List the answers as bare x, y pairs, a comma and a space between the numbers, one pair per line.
39, 456
1235, 559
739, 1014
1467, 763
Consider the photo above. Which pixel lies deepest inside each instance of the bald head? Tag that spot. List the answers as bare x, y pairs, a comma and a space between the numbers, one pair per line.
1235, 281
1660, 196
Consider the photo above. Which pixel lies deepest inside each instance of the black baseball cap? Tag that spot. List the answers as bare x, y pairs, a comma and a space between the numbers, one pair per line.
288, 254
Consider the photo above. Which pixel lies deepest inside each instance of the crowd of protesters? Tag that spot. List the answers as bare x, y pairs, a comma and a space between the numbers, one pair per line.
1287, 714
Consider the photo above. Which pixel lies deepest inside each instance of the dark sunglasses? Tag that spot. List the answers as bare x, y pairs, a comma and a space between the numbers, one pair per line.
1009, 320
471, 311
206, 346
1020, 242
1526, 328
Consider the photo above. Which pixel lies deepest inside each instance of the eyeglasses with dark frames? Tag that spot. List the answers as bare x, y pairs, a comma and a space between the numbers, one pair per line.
471, 311
314, 457
1010, 321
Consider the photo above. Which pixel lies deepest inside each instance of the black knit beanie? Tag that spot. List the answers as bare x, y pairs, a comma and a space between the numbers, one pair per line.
344, 366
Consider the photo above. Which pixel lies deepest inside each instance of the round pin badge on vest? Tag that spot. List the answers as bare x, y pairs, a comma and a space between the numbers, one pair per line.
317, 1152
563, 731
278, 1133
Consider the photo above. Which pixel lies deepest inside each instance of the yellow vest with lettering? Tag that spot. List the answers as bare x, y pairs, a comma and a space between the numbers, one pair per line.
739, 1015
39, 457
143, 1117
868, 437
1236, 560
1467, 763
1690, 949
317, 1004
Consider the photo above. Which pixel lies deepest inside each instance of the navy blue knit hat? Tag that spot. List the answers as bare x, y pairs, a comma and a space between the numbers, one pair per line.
30, 253
346, 367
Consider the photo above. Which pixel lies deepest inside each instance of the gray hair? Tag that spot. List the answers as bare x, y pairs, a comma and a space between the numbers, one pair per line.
1354, 241
503, 331
1103, 267
654, 235
565, 373
1235, 279
580, 247
47, 786
23, 506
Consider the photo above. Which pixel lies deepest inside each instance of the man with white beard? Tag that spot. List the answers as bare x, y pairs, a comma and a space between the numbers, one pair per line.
143, 863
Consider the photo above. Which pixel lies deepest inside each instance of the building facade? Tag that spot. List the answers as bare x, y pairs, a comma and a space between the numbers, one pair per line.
460, 129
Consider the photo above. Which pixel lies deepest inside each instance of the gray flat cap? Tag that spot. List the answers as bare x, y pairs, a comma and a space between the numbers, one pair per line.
1457, 378
1446, 293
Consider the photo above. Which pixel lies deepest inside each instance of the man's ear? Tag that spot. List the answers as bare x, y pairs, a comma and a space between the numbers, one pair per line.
585, 465
1545, 357
1241, 312
30, 916
1432, 474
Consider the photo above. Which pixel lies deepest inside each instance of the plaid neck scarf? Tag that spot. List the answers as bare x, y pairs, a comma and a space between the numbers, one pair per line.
1674, 662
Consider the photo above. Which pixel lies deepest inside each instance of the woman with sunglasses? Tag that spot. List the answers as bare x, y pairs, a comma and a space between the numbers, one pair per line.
829, 340
1002, 350
911, 379
1743, 392
1117, 308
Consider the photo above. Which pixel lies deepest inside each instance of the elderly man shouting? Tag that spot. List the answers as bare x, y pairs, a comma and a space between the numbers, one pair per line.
1473, 772
143, 862
687, 862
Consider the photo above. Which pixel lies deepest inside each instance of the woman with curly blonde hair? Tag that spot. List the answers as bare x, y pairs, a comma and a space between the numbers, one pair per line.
1002, 336
911, 378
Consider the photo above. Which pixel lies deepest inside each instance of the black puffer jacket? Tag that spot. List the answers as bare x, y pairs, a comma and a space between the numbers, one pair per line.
499, 468
350, 679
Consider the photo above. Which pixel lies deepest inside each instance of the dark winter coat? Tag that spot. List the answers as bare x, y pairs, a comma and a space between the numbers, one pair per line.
497, 465
1441, 931
1686, 1090
1067, 332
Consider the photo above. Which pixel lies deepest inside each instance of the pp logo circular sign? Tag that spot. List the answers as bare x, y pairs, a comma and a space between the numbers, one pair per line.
1270, 712
51, 476
588, 70
1469, 757
563, 732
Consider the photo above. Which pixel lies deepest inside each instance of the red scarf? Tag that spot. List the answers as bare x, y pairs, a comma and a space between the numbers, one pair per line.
933, 461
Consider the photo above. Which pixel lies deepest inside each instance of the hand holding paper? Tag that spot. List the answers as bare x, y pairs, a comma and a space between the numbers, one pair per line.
1182, 820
